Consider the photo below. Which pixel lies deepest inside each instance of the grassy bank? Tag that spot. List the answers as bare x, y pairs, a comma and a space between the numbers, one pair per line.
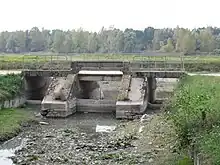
10, 86
194, 111
12, 121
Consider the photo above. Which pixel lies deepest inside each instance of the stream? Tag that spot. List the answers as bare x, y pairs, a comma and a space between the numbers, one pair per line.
82, 138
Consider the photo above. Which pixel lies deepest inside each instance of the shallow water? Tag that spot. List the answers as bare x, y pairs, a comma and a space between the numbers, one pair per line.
8, 149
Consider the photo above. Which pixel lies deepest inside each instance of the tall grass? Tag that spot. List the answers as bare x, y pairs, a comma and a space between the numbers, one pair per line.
10, 86
194, 110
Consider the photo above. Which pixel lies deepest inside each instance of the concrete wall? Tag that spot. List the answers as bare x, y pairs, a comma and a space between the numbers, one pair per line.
137, 101
91, 90
91, 105
13, 103
36, 87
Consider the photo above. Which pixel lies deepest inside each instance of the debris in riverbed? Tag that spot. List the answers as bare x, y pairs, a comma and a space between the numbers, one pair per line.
43, 123
145, 118
100, 128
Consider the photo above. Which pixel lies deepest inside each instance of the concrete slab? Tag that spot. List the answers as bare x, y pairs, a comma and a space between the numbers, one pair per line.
129, 103
92, 72
135, 93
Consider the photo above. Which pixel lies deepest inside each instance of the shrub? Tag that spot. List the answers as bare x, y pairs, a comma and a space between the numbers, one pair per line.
10, 86
195, 106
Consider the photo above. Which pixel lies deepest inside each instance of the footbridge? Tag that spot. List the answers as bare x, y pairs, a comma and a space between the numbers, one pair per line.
65, 91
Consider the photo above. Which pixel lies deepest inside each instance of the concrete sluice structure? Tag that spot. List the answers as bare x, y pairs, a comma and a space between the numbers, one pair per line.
84, 89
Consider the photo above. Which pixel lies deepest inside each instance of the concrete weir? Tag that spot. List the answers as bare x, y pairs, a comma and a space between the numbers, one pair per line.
63, 92
81, 92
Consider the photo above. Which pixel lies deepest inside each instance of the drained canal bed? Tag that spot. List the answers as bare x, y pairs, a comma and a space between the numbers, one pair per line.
84, 138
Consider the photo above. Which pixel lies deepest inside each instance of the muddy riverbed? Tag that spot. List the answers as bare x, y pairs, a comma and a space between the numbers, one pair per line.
84, 138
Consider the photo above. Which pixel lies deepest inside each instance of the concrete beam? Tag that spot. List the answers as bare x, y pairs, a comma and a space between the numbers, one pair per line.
99, 78
100, 65
158, 74
47, 73
87, 75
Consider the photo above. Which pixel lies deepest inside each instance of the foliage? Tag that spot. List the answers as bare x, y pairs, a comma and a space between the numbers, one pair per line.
10, 86
111, 40
209, 146
194, 110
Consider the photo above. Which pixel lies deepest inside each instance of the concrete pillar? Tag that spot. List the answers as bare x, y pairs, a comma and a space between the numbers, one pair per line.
152, 85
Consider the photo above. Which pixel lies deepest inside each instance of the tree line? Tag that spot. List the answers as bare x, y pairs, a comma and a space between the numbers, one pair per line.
112, 40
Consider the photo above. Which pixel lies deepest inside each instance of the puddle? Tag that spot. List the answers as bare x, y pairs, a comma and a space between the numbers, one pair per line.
8, 149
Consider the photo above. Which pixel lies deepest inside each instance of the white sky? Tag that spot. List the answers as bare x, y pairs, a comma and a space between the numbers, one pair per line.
93, 14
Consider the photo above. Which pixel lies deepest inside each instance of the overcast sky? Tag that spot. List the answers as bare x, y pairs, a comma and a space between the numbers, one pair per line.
93, 14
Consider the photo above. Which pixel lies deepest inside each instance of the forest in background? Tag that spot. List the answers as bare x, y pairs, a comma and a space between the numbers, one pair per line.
112, 40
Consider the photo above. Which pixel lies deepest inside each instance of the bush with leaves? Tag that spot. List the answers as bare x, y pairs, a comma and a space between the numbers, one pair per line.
10, 86
194, 110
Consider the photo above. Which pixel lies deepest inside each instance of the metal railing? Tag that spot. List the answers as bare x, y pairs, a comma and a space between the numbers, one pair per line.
63, 62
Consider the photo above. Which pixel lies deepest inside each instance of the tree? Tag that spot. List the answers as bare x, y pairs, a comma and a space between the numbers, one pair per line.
36, 40
207, 41
169, 46
129, 41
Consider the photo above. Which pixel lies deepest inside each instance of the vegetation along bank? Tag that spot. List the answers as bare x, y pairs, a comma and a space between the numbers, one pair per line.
194, 112
11, 119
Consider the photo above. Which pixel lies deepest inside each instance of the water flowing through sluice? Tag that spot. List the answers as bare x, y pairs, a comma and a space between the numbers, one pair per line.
74, 139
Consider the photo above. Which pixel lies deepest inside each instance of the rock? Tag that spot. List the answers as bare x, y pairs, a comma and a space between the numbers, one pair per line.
141, 129
43, 123
38, 115
145, 118
150, 160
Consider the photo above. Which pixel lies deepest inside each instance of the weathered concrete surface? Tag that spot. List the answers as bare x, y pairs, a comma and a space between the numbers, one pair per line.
13, 103
91, 105
152, 86
91, 90
124, 88
136, 102
62, 91
60, 100
157, 74
100, 65
87, 75
47, 73
138, 73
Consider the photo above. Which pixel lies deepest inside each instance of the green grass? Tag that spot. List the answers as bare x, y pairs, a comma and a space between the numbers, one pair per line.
11, 121
194, 111
10, 86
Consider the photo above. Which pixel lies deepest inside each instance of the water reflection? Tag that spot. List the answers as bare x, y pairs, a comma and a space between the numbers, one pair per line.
8, 149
